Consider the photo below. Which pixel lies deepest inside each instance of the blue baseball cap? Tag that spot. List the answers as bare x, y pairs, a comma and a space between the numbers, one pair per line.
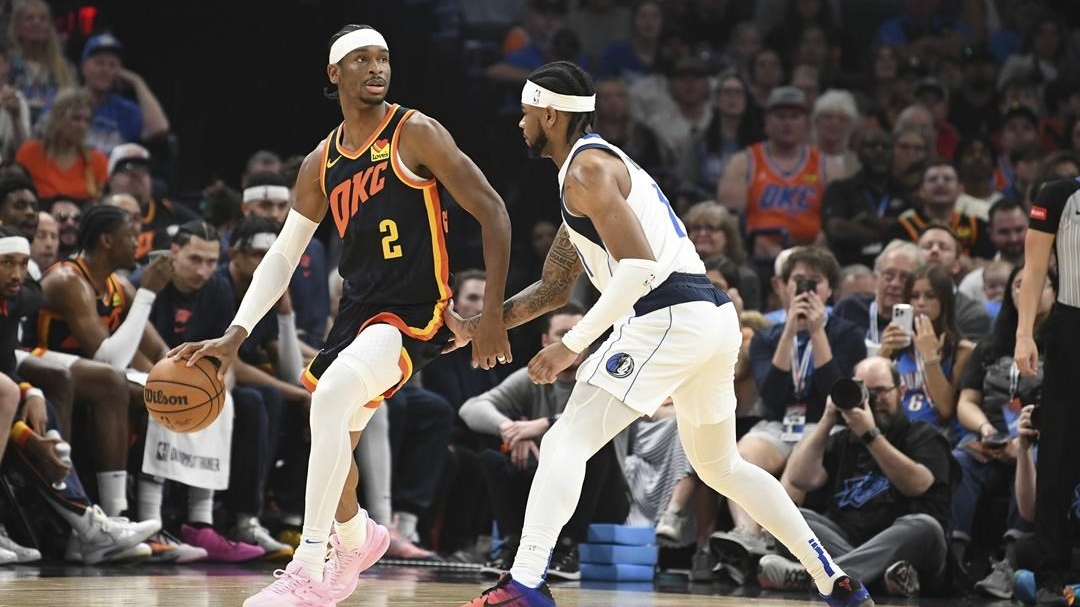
100, 43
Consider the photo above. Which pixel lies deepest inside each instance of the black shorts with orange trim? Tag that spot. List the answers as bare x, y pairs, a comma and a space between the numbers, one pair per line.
421, 340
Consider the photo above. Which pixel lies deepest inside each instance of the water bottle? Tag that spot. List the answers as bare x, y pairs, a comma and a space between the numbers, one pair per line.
63, 452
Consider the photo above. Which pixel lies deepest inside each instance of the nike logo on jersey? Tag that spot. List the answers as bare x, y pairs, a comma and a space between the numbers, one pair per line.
330, 163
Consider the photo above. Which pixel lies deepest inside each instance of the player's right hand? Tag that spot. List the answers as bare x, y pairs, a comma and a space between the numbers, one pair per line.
1026, 355
462, 328
224, 349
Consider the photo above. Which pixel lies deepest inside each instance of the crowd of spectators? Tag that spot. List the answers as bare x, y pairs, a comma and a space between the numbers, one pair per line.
830, 160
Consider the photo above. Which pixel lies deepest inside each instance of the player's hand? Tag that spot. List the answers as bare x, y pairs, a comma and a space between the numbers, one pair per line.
43, 450
35, 416
157, 274
224, 349
549, 362
462, 328
1026, 356
490, 345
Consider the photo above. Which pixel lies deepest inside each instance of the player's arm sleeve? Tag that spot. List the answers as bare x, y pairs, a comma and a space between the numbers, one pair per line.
631, 280
275, 271
1045, 213
119, 348
290, 362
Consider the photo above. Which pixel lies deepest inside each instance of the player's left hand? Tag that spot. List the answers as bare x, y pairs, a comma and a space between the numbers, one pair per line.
462, 328
490, 345
549, 362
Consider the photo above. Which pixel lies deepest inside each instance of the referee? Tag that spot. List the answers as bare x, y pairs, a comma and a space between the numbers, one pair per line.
1055, 220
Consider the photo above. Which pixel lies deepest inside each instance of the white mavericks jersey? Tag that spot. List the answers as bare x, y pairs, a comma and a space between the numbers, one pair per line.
673, 251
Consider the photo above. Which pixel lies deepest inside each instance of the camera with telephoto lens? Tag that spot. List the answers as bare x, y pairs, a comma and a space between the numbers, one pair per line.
849, 393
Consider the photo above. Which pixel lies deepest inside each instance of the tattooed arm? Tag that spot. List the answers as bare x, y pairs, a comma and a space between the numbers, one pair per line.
561, 269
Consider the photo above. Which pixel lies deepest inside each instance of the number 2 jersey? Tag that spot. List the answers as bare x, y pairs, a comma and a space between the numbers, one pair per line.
392, 226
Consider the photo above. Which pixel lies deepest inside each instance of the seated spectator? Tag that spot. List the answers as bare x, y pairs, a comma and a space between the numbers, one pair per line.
889, 481
116, 118
1007, 230
992, 397
911, 148
736, 124
859, 212
679, 127
973, 108
975, 170
520, 412
1043, 51
268, 195
931, 94
939, 246
616, 125
129, 173
636, 55
939, 193
872, 313
766, 72
1019, 127
43, 249
598, 24
1063, 164
715, 231
855, 279
807, 79
831, 123
68, 214
779, 183
60, 162
38, 66
995, 282
924, 31
932, 357
14, 111
794, 364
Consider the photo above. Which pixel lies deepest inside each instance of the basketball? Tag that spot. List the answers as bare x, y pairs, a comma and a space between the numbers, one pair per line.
183, 398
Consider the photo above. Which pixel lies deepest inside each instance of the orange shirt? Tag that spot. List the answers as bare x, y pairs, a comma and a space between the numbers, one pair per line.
52, 180
788, 200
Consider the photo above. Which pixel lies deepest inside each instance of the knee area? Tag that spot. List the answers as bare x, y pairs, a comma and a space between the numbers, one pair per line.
921, 521
9, 394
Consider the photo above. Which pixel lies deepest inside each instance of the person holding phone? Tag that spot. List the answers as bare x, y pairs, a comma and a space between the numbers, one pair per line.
992, 396
1054, 227
927, 346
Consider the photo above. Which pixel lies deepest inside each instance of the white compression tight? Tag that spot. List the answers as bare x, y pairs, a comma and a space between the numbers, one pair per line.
591, 419
364, 370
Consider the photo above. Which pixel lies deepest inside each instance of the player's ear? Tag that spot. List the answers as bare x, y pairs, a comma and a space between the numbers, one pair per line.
550, 116
333, 72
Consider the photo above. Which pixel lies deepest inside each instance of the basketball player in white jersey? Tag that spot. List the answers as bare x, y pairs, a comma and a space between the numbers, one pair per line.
673, 334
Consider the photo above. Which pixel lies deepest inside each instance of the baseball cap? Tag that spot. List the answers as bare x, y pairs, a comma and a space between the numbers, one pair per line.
126, 155
786, 96
101, 43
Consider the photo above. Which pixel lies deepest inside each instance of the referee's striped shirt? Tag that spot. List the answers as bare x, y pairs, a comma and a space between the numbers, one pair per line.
1057, 211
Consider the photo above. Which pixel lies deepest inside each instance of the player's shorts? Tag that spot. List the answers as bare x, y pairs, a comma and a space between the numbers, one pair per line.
422, 339
682, 341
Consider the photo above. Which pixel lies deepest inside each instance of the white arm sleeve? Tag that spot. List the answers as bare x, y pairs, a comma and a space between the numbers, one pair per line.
290, 361
119, 348
275, 271
632, 279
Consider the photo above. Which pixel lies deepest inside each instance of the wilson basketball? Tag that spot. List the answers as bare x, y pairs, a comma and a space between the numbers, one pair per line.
183, 398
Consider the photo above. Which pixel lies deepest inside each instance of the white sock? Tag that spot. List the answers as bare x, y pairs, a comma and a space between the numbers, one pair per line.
149, 499
112, 489
353, 532
406, 525
200, 505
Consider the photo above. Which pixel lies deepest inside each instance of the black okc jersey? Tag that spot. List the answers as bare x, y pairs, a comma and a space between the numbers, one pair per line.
393, 258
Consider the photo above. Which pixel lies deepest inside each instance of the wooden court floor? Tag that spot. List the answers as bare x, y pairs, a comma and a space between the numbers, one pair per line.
224, 586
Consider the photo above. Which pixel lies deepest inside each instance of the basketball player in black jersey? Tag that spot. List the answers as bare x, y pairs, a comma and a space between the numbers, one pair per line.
379, 174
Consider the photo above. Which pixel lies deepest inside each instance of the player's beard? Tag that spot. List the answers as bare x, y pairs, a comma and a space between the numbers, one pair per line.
536, 148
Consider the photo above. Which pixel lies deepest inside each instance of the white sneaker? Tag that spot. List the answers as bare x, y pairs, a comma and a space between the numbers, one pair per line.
138, 552
105, 538
22, 553
186, 553
7, 557
252, 532
669, 528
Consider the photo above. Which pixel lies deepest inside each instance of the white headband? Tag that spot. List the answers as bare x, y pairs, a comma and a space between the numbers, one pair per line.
262, 241
535, 95
354, 40
14, 244
266, 192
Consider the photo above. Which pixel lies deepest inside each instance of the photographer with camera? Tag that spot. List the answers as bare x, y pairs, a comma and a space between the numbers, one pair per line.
794, 364
889, 483
993, 393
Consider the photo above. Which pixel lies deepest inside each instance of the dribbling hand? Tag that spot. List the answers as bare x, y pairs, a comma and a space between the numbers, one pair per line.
224, 349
